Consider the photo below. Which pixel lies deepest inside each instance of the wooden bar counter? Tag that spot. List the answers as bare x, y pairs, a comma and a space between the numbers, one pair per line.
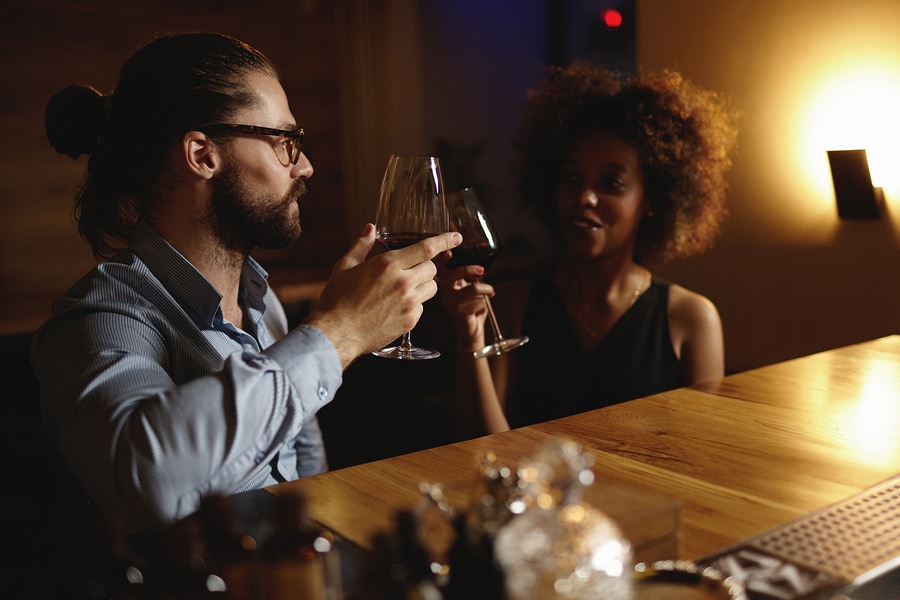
741, 455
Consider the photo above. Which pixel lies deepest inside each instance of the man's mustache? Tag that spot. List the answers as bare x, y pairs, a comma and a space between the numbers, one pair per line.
297, 191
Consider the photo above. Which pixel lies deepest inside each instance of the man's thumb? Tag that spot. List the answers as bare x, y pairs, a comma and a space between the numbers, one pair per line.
359, 250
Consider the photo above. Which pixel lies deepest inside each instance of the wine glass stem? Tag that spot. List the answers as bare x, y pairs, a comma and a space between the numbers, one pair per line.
498, 337
406, 343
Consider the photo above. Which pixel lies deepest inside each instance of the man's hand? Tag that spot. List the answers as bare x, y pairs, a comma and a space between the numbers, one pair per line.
367, 303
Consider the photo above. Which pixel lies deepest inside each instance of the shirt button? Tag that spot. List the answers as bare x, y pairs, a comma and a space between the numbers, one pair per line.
260, 457
323, 392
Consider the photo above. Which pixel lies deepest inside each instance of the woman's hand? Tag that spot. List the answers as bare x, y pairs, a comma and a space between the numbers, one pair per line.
462, 294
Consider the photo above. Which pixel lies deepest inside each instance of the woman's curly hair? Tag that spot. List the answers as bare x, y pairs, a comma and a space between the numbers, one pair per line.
684, 135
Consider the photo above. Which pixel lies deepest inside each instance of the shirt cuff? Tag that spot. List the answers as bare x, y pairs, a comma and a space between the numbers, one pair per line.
311, 362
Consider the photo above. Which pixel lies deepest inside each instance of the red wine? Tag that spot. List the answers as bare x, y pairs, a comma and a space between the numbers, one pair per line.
395, 241
479, 254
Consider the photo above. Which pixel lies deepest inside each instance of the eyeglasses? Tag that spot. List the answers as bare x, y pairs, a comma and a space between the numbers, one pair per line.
291, 142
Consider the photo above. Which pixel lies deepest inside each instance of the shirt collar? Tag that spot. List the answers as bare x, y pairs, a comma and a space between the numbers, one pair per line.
186, 284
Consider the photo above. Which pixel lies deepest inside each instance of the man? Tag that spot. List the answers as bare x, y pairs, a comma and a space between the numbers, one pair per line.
167, 373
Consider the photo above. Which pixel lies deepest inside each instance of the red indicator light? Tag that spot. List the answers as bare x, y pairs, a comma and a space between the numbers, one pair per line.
611, 18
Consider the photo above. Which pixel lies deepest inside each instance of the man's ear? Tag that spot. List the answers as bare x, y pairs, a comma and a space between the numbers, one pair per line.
200, 155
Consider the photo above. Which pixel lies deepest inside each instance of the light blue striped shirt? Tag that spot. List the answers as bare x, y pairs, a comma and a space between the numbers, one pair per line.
153, 400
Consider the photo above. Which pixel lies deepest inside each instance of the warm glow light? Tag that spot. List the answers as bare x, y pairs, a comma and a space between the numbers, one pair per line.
852, 107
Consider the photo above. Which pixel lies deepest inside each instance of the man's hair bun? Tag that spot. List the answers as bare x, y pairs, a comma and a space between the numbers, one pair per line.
73, 120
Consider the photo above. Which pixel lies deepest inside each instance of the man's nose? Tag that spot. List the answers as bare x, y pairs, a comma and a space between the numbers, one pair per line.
303, 168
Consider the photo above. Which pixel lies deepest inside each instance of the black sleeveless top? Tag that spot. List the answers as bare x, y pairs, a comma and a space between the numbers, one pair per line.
556, 378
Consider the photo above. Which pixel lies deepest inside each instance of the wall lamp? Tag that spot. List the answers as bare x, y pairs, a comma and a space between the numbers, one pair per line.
856, 197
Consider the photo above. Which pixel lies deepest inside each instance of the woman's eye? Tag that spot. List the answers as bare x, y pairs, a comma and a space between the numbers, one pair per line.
569, 178
612, 183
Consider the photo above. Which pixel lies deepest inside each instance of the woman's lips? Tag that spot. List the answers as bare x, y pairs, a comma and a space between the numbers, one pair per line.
586, 222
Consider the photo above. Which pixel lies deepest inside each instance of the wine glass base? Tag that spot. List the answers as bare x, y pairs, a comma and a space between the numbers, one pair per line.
504, 345
407, 353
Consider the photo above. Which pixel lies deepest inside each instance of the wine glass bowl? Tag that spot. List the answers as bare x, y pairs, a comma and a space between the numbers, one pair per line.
480, 246
411, 207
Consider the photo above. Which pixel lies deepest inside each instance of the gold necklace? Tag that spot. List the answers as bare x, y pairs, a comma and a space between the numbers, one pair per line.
577, 314
584, 323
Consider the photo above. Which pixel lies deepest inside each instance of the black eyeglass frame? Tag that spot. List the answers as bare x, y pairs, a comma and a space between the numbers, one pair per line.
293, 149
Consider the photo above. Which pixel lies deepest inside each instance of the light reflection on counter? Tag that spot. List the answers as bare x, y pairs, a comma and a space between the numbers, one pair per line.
872, 428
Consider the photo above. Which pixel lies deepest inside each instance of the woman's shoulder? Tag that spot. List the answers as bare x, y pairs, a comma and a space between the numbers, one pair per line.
696, 332
690, 307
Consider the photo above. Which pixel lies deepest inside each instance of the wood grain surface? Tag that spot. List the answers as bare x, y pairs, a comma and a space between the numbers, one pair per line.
741, 455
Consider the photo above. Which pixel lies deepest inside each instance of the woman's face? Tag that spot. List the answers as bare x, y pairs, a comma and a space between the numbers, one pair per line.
600, 196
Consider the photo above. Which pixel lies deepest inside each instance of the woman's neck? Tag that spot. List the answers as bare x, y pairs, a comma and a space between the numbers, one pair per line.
597, 295
597, 282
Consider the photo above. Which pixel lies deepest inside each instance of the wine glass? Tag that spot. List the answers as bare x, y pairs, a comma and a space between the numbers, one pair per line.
479, 247
411, 207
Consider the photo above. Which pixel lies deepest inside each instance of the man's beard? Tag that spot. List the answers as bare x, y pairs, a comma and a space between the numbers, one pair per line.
246, 218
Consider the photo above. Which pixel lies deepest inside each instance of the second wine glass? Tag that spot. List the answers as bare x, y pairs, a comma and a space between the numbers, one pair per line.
480, 245
411, 207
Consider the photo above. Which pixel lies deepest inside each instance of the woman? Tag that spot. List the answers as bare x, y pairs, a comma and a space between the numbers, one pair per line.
627, 173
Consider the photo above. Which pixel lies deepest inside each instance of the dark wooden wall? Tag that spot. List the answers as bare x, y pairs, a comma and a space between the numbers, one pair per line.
46, 45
